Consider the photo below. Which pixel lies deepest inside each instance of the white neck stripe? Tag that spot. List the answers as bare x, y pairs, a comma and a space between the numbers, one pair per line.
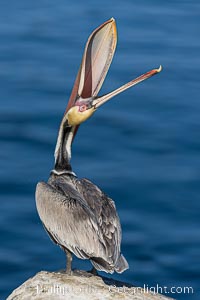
63, 172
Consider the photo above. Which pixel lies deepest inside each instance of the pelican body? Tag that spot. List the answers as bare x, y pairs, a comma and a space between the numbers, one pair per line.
76, 214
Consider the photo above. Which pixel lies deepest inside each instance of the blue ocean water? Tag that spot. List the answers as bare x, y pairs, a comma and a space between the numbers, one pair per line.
142, 148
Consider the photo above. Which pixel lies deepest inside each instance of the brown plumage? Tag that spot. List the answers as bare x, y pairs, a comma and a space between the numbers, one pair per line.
80, 218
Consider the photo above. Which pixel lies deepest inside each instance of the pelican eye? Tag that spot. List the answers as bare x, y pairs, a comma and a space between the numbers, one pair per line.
82, 107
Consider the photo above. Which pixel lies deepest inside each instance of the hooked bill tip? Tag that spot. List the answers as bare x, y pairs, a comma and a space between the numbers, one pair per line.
159, 69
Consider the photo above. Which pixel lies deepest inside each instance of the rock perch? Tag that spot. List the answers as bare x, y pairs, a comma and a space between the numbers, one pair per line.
79, 286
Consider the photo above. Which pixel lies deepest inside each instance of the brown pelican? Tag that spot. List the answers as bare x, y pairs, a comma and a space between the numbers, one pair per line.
76, 214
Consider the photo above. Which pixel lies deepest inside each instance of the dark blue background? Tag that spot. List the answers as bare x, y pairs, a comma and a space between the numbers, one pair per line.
142, 148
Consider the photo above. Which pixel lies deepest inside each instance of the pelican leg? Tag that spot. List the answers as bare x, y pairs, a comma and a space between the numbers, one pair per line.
69, 262
94, 272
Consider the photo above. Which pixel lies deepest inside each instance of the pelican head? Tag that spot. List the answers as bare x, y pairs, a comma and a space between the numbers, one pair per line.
83, 110
96, 61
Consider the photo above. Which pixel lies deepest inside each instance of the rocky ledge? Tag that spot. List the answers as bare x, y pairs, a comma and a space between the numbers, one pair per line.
81, 285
